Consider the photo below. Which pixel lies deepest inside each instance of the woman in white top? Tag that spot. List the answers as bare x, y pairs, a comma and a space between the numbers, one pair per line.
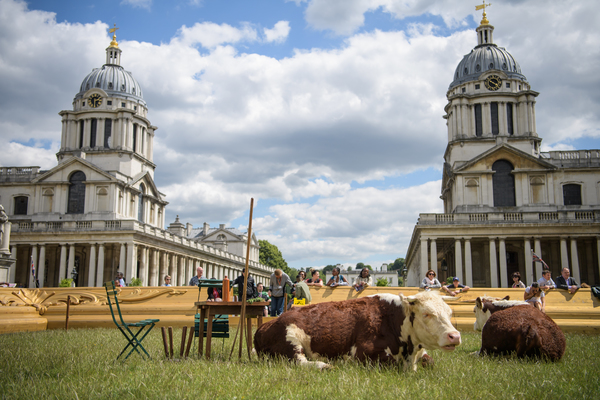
363, 280
430, 281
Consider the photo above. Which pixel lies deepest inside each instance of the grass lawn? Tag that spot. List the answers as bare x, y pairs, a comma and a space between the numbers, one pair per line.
81, 364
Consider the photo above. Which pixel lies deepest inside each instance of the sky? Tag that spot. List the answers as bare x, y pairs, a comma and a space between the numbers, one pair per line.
327, 112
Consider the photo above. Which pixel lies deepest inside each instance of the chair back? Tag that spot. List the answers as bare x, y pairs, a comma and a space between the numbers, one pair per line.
111, 297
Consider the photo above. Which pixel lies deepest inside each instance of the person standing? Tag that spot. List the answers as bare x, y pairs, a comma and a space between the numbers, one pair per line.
276, 291
250, 289
196, 278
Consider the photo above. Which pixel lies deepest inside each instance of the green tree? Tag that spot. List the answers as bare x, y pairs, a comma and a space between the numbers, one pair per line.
360, 265
270, 255
397, 265
382, 282
328, 268
369, 267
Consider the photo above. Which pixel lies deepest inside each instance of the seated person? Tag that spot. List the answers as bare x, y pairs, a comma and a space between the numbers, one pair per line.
364, 279
337, 279
564, 281
430, 281
455, 287
315, 280
546, 281
517, 280
167, 280
215, 294
535, 296
301, 291
260, 291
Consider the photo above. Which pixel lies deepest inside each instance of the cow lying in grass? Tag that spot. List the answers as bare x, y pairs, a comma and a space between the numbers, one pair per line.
486, 306
384, 327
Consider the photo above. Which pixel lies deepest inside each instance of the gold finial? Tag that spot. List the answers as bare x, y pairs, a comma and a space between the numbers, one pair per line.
114, 41
484, 20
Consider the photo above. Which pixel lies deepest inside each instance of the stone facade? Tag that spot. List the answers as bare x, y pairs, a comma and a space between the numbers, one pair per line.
503, 197
99, 211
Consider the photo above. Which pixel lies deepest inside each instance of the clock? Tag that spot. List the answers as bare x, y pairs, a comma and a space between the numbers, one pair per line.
95, 100
493, 82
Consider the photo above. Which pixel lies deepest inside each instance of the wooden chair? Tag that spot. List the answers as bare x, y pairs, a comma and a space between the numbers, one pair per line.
133, 339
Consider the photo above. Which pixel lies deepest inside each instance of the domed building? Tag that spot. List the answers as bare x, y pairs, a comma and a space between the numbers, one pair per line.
503, 198
99, 212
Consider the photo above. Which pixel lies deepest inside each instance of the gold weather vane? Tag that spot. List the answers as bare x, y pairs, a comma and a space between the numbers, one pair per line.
484, 21
114, 40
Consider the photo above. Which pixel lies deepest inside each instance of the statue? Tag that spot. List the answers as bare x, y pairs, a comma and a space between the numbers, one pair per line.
4, 232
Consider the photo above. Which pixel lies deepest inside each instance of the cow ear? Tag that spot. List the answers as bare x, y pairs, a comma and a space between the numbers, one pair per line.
412, 300
507, 297
478, 302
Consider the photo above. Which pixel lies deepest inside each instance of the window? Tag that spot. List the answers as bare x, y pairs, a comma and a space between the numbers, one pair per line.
478, 123
464, 90
509, 118
503, 183
494, 114
508, 85
21, 205
123, 105
93, 132
141, 203
107, 133
109, 102
134, 137
76, 202
477, 86
81, 123
572, 194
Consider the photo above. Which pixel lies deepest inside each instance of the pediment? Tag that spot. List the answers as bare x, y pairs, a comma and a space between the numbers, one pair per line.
518, 158
63, 171
146, 179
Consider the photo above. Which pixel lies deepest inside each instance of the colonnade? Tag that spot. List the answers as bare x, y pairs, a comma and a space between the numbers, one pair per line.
497, 263
94, 266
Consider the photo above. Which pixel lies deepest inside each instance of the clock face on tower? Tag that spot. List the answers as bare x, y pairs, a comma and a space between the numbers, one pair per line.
95, 100
493, 82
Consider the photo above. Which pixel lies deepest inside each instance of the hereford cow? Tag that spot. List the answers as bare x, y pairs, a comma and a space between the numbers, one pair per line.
382, 327
486, 306
526, 330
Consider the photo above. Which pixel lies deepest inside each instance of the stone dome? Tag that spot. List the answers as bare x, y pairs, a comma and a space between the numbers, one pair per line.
115, 81
484, 58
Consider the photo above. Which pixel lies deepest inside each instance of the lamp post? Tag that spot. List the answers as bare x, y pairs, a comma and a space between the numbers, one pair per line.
74, 274
404, 273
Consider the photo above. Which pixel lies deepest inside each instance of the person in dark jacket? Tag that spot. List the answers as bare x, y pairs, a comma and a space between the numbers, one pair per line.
251, 288
564, 281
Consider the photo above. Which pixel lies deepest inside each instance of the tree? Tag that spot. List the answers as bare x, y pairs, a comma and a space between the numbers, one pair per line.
369, 267
270, 255
360, 265
382, 282
328, 268
398, 265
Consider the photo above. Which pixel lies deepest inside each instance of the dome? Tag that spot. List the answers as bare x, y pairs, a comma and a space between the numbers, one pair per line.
115, 81
486, 58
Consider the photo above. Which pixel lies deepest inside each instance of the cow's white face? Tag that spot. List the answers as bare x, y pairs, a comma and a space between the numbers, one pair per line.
480, 316
431, 324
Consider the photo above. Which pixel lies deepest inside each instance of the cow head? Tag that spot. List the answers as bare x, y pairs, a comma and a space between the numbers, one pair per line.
486, 306
481, 315
429, 317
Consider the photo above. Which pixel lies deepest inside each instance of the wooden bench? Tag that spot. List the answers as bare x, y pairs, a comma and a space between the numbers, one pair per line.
220, 326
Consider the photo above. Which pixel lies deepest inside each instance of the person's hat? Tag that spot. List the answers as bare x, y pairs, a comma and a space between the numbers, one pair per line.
455, 279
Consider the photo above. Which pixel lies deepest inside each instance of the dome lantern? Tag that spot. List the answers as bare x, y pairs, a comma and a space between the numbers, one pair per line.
113, 52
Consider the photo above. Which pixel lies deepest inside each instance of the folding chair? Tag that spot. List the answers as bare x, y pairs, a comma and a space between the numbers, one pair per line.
133, 339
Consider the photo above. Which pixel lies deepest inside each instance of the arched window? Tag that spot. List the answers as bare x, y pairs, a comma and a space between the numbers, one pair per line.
21, 205
504, 184
76, 202
572, 194
141, 203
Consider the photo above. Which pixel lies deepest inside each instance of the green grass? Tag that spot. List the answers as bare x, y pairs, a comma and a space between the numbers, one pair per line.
81, 364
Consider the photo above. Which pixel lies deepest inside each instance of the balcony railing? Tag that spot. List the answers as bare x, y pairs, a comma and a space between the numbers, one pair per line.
503, 218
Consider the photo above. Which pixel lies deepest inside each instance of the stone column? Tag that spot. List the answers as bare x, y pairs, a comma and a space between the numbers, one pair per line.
181, 271
528, 261
208, 270
144, 266
153, 275
12, 271
92, 266
100, 269
173, 269
62, 271
468, 264
131, 270
458, 259
424, 260
537, 245
575, 261
163, 267
42, 265
433, 257
503, 266
34, 261
564, 253
71, 259
122, 259
493, 264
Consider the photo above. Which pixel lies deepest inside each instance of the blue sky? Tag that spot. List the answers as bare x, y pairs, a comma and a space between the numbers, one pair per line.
327, 112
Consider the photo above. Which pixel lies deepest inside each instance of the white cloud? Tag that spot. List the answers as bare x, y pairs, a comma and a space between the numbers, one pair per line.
279, 32
210, 35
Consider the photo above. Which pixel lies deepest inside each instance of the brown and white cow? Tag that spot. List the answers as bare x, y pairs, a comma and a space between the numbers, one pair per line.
526, 330
486, 306
383, 327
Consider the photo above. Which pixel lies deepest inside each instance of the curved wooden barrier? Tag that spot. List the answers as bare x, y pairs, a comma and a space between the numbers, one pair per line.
39, 309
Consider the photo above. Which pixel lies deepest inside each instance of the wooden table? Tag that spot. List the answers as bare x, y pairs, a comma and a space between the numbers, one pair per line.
208, 309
